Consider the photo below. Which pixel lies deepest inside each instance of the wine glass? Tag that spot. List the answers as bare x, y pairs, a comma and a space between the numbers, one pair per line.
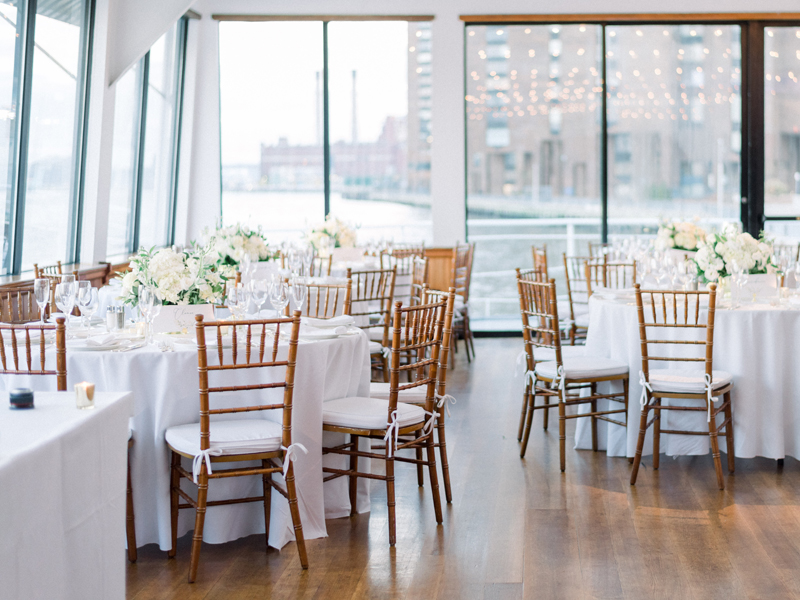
279, 296
155, 310
147, 297
65, 299
299, 292
295, 261
89, 302
246, 267
41, 291
738, 279
84, 294
237, 301
258, 291
308, 258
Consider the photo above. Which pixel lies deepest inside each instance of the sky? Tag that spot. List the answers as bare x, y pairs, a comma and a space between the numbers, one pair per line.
268, 82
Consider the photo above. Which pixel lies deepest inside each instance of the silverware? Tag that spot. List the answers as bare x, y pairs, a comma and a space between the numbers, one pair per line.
129, 348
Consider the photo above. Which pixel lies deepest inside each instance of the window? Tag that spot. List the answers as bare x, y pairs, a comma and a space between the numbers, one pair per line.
376, 131
43, 94
144, 163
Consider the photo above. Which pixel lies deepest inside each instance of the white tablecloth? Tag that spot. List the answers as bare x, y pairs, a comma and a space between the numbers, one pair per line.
62, 498
165, 389
757, 344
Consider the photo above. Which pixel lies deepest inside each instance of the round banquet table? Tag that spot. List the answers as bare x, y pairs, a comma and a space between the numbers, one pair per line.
165, 389
757, 344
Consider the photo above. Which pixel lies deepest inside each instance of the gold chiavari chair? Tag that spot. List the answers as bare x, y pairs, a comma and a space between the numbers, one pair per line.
668, 315
371, 306
325, 300
609, 275
566, 379
242, 440
18, 307
402, 257
598, 249
463, 255
540, 259
52, 270
402, 425
577, 295
418, 396
419, 279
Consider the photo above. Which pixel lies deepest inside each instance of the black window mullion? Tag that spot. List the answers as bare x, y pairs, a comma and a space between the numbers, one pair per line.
24, 131
604, 144
183, 30
326, 142
139, 173
753, 127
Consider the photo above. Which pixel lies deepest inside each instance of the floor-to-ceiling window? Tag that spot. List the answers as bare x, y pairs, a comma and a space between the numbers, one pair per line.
357, 93
551, 159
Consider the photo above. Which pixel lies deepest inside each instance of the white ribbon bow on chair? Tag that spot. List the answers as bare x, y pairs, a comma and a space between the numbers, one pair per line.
709, 385
445, 401
430, 423
530, 376
394, 429
645, 388
560, 383
291, 455
205, 455
387, 352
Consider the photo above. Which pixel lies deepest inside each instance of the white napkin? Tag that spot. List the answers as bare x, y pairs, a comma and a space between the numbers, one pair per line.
101, 340
340, 321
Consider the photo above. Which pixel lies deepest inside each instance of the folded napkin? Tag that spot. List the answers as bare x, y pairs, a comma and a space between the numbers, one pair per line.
101, 340
340, 321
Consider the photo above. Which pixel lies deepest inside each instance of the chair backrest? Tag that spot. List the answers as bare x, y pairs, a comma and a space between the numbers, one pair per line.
325, 300
676, 318
419, 278
575, 274
321, 266
18, 307
539, 311
609, 275
598, 249
540, 259
371, 299
402, 257
534, 274
11, 333
265, 357
39, 272
417, 333
434, 297
462, 269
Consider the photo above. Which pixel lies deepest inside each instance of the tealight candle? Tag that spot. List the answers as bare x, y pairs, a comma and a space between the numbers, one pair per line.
84, 395
21, 398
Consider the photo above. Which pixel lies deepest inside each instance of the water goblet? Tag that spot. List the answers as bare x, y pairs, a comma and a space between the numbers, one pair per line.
279, 296
147, 297
41, 292
84, 294
259, 289
308, 259
65, 300
299, 292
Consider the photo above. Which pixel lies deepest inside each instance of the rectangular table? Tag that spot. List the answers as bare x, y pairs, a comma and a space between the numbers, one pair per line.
62, 497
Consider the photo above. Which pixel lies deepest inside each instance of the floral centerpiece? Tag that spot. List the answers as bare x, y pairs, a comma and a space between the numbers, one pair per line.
227, 247
718, 252
333, 230
178, 278
679, 236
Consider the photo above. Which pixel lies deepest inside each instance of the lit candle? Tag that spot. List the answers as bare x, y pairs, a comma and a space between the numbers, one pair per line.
84, 395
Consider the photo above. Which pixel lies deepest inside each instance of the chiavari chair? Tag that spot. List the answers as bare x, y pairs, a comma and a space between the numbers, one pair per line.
325, 300
417, 396
52, 270
598, 249
18, 307
565, 379
677, 316
609, 275
402, 258
209, 442
371, 305
419, 279
461, 277
401, 425
540, 259
577, 324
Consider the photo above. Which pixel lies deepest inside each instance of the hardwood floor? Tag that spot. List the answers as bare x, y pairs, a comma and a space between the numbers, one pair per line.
520, 528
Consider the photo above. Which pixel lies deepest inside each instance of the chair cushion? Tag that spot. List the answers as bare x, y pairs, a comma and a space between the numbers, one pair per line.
582, 367
578, 309
242, 436
686, 382
376, 334
548, 354
417, 395
582, 320
375, 348
368, 413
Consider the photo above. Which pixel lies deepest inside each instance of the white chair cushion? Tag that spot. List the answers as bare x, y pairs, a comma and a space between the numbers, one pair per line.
578, 309
368, 413
548, 354
376, 333
686, 382
582, 367
242, 436
375, 348
582, 320
380, 390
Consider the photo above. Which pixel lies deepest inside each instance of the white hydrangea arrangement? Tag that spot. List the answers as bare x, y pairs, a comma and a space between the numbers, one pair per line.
228, 246
178, 277
343, 235
718, 251
679, 236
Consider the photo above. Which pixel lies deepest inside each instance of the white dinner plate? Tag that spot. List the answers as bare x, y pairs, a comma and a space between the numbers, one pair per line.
82, 346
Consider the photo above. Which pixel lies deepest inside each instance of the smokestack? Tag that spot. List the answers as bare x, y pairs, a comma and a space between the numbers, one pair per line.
355, 121
319, 113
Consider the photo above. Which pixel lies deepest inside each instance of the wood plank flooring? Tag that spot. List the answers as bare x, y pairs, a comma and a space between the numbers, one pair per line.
520, 528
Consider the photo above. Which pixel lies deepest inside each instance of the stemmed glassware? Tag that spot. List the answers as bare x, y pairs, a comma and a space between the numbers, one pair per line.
739, 280
299, 292
87, 301
65, 298
259, 290
41, 291
308, 258
237, 301
295, 261
149, 306
279, 295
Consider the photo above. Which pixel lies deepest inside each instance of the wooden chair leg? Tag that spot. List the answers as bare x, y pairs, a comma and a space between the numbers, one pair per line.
199, 521
524, 412
294, 509
265, 480
390, 503
437, 501
546, 411
729, 433
562, 434
528, 424
130, 523
443, 456
418, 452
467, 334
353, 480
470, 338
594, 419
712, 432
656, 434
175, 482
637, 459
